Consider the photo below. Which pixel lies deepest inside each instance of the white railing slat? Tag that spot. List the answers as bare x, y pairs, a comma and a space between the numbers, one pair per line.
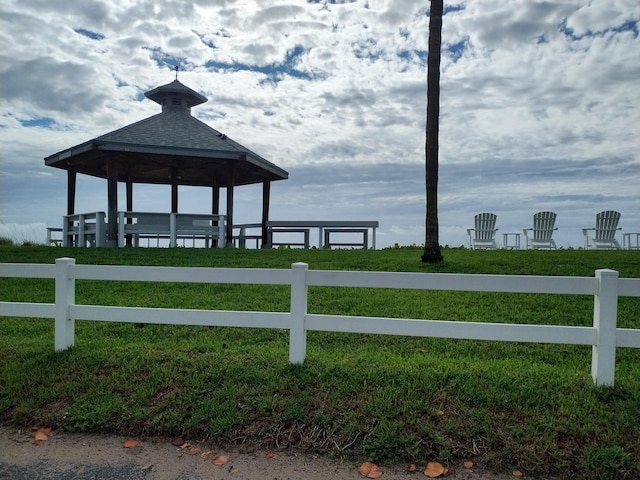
455, 281
27, 270
263, 276
452, 329
175, 316
27, 309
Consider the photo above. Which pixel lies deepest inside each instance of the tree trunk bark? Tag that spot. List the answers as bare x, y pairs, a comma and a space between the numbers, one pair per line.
432, 251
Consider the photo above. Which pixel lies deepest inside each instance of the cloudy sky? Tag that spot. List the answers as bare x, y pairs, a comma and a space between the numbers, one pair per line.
539, 106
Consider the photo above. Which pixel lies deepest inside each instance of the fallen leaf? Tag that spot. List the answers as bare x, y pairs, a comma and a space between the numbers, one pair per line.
468, 464
220, 460
369, 470
440, 412
40, 435
130, 443
185, 445
517, 473
412, 468
434, 470
195, 450
272, 455
177, 442
45, 430
148, 467
206, 454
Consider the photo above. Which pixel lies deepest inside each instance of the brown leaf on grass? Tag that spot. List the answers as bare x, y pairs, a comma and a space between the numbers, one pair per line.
412, 468
130, 443
220, 460
195, 450
369, 470
468, 464
517, 473
177, 442
434, 470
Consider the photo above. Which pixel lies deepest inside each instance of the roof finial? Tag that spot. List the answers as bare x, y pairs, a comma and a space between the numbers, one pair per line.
176, 69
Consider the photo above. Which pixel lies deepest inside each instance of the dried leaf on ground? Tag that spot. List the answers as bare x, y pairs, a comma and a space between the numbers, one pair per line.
468, 464
220, 460
41, 435
177, 442
517, 473
412, 468
434, 470
130, 443
206, 454
194, 450
369, 470
272, 455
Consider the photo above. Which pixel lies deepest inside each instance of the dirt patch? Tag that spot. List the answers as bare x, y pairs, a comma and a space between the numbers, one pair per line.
66, 456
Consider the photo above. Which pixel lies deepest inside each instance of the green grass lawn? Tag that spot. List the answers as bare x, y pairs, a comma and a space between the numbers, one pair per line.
367, 397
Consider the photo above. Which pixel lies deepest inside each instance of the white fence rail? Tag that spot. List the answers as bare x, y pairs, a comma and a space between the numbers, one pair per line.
603, 335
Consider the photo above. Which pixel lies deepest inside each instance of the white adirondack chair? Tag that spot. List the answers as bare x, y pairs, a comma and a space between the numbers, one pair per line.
483, 235
604, 232
540, 235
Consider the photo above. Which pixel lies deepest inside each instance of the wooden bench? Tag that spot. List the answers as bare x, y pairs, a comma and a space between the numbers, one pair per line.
304, 231
171, 226
363, 244
356, 226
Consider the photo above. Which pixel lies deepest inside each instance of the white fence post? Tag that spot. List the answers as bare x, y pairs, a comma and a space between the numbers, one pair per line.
65, 296
298, 330
605, 311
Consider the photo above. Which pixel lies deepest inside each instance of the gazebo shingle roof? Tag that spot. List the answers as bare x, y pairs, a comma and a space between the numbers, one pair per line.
152, 148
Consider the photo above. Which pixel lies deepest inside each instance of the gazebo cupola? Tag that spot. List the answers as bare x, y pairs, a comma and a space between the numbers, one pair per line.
175, 95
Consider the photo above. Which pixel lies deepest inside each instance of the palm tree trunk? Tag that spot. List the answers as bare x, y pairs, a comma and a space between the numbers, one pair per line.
432, 243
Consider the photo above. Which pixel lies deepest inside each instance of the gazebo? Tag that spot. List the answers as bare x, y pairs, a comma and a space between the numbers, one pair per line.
169, 148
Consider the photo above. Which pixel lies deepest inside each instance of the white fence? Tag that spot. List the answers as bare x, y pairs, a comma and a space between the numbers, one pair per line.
603, 335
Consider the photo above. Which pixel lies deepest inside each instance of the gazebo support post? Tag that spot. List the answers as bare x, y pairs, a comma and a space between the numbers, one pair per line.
229, 233
266, 194
112, 201
129, 238
71, 202
174, 190
215, 209
71, 191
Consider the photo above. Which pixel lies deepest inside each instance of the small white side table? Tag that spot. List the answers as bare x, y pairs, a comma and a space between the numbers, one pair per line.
516, 240
626, 241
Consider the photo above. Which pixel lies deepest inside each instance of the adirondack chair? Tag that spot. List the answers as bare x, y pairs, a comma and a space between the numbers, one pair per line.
482, 236
604, 232
540, 236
